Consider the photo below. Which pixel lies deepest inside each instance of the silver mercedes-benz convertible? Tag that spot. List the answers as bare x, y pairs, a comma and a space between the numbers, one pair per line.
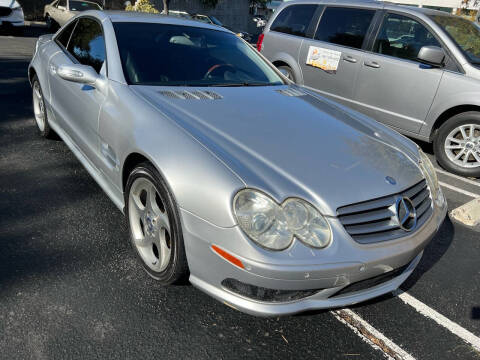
271, 198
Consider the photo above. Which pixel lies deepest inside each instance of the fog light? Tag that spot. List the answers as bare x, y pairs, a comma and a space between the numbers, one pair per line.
264, 294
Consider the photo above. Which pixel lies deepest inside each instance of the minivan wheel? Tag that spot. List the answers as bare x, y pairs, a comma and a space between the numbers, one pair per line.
287, 72
39, 110
50, 22
154, 223
457, 144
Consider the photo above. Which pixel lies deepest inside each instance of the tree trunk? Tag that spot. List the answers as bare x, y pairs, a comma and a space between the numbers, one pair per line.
165, 6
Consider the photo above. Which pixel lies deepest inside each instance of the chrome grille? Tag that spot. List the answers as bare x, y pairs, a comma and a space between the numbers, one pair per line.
5, 11
375, 220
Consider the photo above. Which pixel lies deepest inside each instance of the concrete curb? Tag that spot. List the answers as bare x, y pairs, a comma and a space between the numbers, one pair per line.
468, 214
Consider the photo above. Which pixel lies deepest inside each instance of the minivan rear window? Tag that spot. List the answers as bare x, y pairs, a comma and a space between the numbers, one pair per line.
294, 19
344, 26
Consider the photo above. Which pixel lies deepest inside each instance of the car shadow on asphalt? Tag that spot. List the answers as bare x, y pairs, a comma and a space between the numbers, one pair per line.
476, 313
27, 31
432, 253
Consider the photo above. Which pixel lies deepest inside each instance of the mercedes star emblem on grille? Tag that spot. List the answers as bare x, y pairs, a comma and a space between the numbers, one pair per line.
406, 213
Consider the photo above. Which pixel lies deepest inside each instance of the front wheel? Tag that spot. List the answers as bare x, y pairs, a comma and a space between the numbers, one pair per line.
40, 111
154, 222
51, 24
457, 144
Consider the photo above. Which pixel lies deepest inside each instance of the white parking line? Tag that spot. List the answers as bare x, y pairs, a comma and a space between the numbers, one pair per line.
454, 188
370, 335
451, 326
469, 181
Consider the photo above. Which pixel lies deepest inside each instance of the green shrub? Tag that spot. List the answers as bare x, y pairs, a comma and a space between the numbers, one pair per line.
142, 6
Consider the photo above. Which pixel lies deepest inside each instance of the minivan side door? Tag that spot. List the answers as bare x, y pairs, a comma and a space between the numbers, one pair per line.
331, 60
392, 86
61, 12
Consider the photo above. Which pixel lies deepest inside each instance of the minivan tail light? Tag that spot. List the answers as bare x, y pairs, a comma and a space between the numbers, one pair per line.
260, 42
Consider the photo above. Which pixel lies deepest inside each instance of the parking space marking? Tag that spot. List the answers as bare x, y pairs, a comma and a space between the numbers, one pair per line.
370, 335
454, 188
469, 181
448, 324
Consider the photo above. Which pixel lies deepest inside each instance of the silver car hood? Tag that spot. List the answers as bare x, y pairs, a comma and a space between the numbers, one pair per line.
293, 146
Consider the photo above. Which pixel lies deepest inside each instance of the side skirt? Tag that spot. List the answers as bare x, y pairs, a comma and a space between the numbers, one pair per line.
96, 174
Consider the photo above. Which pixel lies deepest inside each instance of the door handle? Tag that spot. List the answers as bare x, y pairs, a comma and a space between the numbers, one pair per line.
350, 59
372, 64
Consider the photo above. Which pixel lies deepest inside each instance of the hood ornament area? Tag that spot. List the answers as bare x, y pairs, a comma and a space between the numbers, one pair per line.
406, 213
390, 180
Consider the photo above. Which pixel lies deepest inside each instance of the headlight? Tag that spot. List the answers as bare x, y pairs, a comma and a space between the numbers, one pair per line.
274, 226
431, 176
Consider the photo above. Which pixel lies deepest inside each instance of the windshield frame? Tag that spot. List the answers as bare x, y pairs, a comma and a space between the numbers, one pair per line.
466, 54
195, 83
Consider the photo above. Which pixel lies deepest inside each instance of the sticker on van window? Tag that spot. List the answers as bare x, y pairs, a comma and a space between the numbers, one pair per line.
324, 59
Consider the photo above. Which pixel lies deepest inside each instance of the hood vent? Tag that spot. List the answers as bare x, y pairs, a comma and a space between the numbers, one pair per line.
191, 95
291, 92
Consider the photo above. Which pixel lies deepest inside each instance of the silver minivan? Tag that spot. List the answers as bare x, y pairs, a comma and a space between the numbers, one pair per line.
414, 69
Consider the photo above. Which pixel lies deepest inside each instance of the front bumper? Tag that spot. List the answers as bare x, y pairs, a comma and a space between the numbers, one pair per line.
15, 19
329, 270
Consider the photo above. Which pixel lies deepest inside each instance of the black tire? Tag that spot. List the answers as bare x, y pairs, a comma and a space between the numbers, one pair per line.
47, 131
51, 24
470, 117
177, 269
288, 72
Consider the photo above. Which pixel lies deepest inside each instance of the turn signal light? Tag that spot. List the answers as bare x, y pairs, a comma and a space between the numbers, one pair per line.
228, 257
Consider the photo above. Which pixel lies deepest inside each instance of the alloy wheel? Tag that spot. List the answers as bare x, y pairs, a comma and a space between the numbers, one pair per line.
462, 146
38, 106
150, 224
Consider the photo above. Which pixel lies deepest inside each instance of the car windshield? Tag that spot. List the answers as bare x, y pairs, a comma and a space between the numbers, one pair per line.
464, 32
176, 55
84, 5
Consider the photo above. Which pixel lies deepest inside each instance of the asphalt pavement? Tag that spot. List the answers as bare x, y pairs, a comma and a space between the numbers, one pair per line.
70, 286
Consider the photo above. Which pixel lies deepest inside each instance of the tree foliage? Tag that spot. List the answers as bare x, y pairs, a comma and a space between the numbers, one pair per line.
142, 6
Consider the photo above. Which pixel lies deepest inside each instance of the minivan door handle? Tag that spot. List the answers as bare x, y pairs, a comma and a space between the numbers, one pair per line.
372, 64
350, 59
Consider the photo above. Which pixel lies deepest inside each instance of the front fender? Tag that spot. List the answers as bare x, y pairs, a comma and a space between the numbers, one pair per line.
199, 181
454, 90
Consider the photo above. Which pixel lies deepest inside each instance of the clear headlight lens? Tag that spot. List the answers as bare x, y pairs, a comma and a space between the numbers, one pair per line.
274, 226
431, 176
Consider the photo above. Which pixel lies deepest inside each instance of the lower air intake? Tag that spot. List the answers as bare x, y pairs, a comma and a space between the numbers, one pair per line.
264, 294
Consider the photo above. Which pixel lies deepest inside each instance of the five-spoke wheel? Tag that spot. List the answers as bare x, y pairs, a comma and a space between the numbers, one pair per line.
155, 230
39, 110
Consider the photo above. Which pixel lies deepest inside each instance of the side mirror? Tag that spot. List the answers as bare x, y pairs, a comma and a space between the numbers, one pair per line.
431, 55
82, 74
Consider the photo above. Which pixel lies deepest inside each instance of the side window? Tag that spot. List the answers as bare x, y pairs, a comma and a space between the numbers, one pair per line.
294, 19
87, 44
65, 34
344, 26
62, 3
402, 37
